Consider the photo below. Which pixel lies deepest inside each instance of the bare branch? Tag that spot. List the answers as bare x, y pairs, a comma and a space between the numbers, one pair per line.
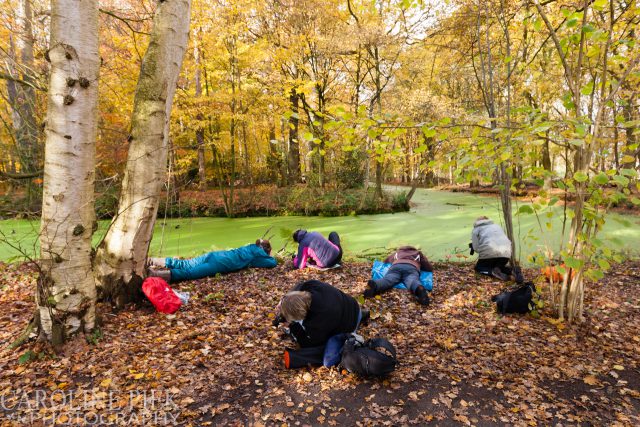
21, 175
125, 21
34, 84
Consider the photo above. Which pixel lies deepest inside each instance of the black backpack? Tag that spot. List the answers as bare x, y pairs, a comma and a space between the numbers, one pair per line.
516, 301
365, 359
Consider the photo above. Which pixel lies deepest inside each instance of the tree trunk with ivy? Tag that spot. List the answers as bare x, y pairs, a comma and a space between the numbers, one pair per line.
120, 260
66, 292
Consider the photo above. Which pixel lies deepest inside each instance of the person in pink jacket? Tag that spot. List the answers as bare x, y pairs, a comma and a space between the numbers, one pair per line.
315, 248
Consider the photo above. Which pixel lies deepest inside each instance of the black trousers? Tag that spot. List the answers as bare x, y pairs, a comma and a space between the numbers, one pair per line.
335, 239
484, 266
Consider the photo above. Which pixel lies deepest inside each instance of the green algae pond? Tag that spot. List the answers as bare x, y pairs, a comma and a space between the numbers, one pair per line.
439, 222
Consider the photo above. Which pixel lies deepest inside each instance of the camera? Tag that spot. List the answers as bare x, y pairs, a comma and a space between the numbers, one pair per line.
279, 319
471, 251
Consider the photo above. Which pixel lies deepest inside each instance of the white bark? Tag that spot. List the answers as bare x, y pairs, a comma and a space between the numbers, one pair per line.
120, 260
66, 290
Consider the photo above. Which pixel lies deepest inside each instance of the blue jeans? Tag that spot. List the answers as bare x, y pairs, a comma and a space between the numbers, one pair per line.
397, 273
333, 349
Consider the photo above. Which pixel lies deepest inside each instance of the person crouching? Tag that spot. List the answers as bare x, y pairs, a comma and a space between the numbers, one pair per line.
314, 248
316, 311
493, 248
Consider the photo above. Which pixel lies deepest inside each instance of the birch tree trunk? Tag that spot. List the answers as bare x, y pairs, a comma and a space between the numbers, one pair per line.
120, 260
66, 292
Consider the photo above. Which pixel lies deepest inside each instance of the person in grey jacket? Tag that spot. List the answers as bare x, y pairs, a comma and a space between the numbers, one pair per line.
493, 248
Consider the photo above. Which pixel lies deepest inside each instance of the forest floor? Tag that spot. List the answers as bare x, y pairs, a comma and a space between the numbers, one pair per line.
218, 361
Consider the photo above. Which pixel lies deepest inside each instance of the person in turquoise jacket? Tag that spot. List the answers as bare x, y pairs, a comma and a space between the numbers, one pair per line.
176, 270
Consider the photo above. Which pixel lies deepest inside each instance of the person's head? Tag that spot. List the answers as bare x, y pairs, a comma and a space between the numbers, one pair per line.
297, 235
482, 221
295, 305
265, 245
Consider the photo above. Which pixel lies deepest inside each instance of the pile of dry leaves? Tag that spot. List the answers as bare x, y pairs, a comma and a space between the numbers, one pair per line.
219, 360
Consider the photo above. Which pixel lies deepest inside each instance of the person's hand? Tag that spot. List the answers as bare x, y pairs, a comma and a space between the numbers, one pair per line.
279, 320
279, 317
296, 328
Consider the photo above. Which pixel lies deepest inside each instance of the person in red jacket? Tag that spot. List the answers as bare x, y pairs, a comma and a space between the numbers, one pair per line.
407, 263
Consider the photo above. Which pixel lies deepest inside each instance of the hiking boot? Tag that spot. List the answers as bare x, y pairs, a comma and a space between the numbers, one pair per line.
371, 291
518, 276
364, 320
498, 274
163, 273
421, 296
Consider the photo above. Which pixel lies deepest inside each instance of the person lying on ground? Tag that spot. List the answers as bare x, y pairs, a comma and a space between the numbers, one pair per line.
493, 248
407, 262
314, 248
175, 270
315, 311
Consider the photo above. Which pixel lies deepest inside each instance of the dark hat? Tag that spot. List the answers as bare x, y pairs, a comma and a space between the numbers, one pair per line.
297, 235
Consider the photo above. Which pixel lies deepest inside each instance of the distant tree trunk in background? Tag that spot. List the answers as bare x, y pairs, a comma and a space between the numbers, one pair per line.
489, 88
546, 164
248, 178
293, 154
379, 172
629, 113
66, 292
321, 134
274, 163
12, 98
272, 159
429, 175
284, 152
202, 175
120, 260
232, 48
22, 96
616, 150
377, 99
